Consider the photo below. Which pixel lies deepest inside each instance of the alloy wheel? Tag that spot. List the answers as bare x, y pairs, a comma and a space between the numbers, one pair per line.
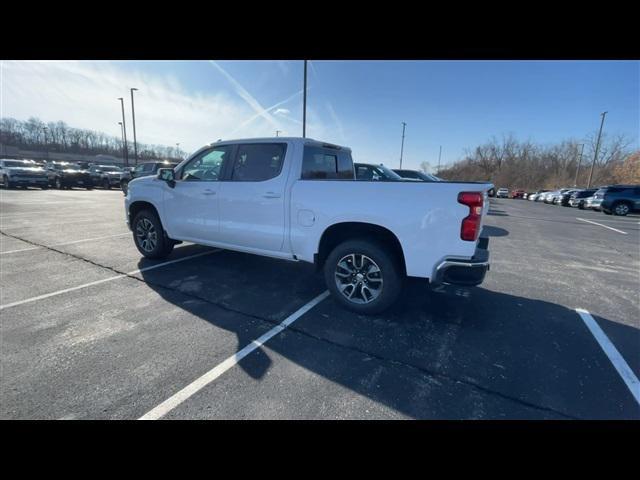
146, 235
358, 278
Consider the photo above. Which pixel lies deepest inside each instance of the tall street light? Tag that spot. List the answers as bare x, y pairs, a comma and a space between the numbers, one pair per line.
304, 103
46, 149
402, 144
595, 156
122, 133
124, 129
133, 115
178, 149
439, 155
575, 182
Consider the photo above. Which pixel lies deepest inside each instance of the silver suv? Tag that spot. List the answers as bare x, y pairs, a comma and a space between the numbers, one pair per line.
23, 173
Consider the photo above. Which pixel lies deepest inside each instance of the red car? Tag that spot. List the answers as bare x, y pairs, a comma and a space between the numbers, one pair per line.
517, 194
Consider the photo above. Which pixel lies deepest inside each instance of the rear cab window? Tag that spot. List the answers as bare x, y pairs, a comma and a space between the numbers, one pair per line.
324, 163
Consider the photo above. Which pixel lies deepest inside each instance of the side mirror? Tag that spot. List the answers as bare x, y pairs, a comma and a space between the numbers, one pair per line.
167, 175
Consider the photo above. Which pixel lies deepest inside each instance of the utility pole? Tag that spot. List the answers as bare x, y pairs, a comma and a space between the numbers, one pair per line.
595, 156
124, 129
439, 155
178, 149
575, 182
133, 114
304, 103
402, 144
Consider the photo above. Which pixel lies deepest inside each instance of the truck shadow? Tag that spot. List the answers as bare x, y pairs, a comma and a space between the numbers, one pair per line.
445, 353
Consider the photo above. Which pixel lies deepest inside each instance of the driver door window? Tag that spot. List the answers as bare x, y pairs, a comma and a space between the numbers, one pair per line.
207, 166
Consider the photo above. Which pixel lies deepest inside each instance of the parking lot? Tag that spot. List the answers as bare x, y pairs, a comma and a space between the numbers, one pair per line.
90, 329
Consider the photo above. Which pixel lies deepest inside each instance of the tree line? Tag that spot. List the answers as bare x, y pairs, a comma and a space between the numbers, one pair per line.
34, 134
508, 162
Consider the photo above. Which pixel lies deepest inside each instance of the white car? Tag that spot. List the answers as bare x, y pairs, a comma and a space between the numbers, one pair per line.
23, 173
502, 193
297, 199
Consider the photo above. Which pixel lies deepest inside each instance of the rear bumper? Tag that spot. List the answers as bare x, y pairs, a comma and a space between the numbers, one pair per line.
469, 273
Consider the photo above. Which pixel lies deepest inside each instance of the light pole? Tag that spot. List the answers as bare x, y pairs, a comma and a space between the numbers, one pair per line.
133, 115
439, 155
46, 150
122, 134
304, 103
575, 182
178, 149
402, 144
124, 129
595, 156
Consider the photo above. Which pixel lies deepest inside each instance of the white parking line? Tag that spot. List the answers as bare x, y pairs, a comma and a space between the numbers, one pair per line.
623, 369
91, 219
97, 282
605, 226
179, 397
65, 243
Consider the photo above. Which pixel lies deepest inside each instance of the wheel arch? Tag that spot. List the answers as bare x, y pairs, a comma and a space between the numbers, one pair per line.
337, 233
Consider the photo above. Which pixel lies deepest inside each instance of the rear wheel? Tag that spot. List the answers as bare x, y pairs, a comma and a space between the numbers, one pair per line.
106, 185
621, 208
58, 183
363, 276
6, 182
149, 235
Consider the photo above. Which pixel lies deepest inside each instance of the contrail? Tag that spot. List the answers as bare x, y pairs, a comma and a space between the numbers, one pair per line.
247, 97
247, 122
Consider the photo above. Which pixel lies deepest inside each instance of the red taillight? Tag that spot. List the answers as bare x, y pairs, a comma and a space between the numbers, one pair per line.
470, 228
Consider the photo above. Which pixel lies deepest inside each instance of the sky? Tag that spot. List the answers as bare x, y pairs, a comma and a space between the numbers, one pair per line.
361, 104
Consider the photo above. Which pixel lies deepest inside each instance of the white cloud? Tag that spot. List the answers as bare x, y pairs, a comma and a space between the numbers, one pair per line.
84, 95
281, 111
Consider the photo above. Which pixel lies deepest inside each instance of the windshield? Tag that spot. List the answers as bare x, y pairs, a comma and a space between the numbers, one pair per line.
20, 165
110, 169
387, 172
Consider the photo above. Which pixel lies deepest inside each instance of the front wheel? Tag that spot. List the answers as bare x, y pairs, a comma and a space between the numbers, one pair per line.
149, 236
124, 186
106, 185
363, 276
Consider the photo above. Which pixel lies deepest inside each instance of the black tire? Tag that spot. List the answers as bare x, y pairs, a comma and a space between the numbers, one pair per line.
606, 212
581, 206
621, 208
389, 271
124, 186
106, 184
58, 183
44, 187
163, 244
7, 183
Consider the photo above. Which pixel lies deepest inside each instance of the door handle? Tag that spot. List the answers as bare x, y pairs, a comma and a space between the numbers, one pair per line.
209, 192
271, 195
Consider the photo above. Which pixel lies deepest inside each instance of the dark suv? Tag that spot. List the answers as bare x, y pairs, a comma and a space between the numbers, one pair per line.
68, 175
143, 170
618, 199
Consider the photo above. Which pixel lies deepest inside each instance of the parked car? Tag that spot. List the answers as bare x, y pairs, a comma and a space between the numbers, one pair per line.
557, 197
143, 170
106, 176
538, 196
297, 199
22, 173
578, 197
518, 193
68, 175
618, 199
502, 193
377, 173
417, 175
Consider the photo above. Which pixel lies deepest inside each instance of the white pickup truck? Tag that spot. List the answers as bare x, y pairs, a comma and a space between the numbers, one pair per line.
297, 199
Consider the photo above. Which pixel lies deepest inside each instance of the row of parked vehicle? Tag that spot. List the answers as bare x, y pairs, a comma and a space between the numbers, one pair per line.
64, 175
610, 199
